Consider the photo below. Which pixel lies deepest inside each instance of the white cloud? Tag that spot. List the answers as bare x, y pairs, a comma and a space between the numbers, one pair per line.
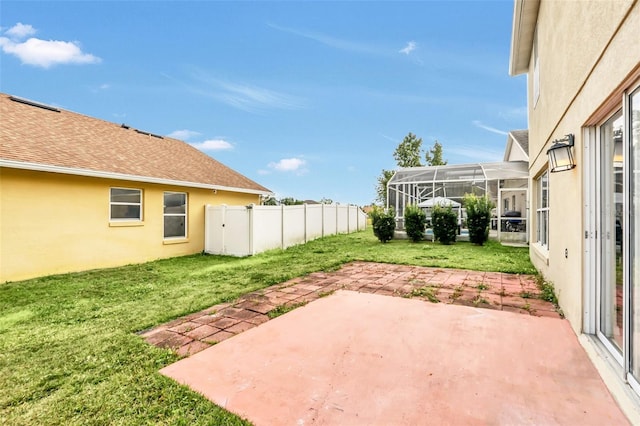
20, 31
246, 97
264, 172
410, 47
42, 53
183, 135
102, 87
289, 165
389, 138
213, 145
479, 124
243, 96
329, 40
45, 53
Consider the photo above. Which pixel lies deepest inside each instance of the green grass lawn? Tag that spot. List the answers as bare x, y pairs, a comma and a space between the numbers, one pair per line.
68, 349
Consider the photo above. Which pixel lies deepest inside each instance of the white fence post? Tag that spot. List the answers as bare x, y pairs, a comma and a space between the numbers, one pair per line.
306, 218
282, 226
222, 231
251, 224
207, 228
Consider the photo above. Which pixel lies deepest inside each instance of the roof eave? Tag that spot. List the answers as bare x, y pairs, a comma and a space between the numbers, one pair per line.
508, 148
525, 16
123, 176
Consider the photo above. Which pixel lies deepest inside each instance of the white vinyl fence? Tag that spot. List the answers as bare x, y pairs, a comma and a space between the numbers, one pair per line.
247, 230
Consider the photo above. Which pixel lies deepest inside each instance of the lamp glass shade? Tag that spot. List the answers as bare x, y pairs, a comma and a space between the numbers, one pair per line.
560, 158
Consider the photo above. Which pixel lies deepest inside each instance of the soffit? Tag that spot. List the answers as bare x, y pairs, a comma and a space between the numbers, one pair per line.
525, 16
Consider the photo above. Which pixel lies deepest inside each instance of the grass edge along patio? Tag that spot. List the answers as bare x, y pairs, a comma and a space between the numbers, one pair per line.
70, 349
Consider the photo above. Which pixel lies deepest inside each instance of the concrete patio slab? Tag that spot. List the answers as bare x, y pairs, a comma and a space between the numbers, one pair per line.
366, 359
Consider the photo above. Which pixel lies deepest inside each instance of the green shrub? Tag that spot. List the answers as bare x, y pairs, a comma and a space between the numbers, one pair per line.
445, 224
478, 217
375, 214
383, 223
415, 221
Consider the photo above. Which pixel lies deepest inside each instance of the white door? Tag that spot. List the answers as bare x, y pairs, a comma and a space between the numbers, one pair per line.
613, 228
611, 245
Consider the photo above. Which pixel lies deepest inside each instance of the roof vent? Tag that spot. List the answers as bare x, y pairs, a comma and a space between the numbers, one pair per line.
32, 103
124, 126
142, 132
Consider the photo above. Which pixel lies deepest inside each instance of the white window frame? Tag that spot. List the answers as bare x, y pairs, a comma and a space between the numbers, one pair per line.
120, 203
184, 215
542, 213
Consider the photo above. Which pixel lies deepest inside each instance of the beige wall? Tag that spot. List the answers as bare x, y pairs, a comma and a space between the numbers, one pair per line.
582, 60
53, 223
517, 154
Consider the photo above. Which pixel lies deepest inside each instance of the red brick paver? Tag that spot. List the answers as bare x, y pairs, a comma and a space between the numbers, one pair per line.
490, 290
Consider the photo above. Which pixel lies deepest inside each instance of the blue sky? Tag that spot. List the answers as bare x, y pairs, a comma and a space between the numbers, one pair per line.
310, 99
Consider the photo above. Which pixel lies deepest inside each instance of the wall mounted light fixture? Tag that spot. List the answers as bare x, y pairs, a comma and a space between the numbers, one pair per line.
560, 155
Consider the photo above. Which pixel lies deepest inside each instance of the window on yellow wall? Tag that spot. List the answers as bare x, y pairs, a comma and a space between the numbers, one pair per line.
125, 204
542, 210
175, 215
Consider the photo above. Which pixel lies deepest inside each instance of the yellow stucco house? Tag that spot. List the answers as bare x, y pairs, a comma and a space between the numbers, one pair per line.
79, 193
582, 61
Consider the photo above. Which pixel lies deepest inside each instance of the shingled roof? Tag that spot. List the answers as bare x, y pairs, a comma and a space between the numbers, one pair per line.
519, 139
522, 137
39, 137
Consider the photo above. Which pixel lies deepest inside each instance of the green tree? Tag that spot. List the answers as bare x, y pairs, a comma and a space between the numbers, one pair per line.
290, 201
270, 201
326, 201
434, 155
409, 151
408, 154
381, 187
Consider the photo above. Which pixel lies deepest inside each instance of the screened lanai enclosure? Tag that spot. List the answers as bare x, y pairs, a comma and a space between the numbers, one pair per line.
505, 183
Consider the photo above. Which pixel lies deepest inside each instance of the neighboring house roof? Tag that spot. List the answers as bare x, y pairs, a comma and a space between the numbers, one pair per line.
525, 17
39, 137
517, 146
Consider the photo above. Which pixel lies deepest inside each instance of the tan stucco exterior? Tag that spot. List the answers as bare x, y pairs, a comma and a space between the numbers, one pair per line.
586, 49
56, 223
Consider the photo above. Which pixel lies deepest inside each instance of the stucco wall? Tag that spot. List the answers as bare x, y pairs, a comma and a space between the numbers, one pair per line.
582, 61
517, 154
54, 223
571, 36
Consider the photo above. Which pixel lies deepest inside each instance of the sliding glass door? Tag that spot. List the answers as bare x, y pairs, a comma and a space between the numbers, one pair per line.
612, 237
613, 224
634, 230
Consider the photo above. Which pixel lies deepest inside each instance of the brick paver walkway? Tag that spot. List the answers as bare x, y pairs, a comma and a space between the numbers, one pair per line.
492, 290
